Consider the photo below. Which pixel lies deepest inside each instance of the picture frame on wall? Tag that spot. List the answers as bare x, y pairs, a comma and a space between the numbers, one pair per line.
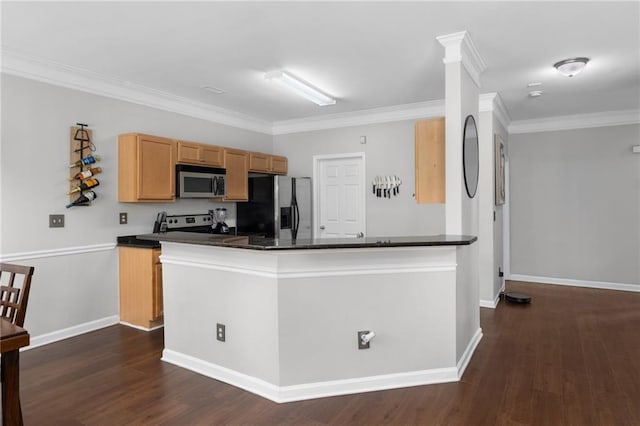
500, 160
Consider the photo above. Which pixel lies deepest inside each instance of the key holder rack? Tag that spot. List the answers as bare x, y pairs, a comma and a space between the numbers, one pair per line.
81, 146
386, 186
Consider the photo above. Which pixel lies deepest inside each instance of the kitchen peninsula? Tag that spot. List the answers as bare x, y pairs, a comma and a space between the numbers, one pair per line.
281, 318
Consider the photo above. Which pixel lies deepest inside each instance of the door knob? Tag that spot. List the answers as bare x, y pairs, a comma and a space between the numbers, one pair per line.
360, 235
322, 227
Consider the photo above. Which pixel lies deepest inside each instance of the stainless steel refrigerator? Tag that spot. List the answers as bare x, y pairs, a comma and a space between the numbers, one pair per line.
278, 206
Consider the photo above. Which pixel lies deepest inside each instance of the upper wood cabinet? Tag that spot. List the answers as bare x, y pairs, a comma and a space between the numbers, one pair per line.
259, 162
200, 154
430, 161
266, 163
278, 165
237, 180
146, 168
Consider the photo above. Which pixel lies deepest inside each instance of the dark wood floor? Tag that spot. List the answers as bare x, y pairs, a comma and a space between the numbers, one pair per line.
572, 357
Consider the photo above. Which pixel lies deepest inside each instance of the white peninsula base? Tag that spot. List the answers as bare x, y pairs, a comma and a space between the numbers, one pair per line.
292, 317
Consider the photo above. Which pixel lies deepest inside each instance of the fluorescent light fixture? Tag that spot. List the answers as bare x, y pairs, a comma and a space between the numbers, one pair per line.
572, 66
302, 89
212, 89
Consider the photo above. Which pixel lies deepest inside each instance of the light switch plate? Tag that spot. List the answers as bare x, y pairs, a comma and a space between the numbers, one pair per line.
56, 221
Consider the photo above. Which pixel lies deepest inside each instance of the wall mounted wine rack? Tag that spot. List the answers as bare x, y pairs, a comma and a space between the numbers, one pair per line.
81, 148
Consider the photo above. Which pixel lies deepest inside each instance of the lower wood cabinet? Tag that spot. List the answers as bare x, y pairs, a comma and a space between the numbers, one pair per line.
140, 287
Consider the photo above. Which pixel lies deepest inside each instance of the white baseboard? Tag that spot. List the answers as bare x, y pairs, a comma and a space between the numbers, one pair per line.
468, 353
55, 336
281, 394
492, 304
576, 283
139, 327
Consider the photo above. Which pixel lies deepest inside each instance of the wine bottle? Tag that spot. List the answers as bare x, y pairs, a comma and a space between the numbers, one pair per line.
85, 161
84, 198
85, 184
87, 173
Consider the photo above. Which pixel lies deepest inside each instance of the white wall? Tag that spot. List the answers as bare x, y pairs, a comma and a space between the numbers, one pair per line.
73, 287
575, 205
389, 151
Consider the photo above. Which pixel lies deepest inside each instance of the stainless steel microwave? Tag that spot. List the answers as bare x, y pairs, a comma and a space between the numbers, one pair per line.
199, 182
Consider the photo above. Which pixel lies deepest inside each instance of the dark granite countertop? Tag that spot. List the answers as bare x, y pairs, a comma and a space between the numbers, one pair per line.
261, 243
134, 241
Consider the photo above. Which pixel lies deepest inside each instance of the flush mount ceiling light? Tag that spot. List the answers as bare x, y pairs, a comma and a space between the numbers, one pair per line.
571, 67
302, 89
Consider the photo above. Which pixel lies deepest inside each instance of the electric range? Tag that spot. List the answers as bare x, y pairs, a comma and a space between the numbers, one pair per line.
201, 223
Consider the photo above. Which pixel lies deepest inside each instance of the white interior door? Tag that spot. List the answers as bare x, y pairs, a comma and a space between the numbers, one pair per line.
339, 196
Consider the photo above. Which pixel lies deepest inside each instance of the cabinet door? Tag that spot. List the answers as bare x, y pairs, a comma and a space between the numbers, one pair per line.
237, 180
188, 152
157, 310
200, 154
258, 162
156, 168
136, 275
430, 161
212, 155
278, 165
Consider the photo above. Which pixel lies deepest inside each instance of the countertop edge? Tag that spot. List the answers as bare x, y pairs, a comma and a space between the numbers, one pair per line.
274, 245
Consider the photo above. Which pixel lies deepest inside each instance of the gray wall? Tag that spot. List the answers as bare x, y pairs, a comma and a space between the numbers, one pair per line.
575, 204
389, 151
70, 289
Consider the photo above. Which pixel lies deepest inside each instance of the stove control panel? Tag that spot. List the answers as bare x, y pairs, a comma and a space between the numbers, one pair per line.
187, 221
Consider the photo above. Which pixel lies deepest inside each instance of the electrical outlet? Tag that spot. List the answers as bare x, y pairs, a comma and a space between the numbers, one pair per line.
221, 333
56, 221
123, 218
360, 344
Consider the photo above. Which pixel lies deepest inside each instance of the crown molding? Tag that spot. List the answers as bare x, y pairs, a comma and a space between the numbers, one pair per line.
579, 121
459, 47
21, 65
493, 102
363, 117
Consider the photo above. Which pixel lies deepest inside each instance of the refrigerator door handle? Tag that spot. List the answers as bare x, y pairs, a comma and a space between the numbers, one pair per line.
294, 227
297, 219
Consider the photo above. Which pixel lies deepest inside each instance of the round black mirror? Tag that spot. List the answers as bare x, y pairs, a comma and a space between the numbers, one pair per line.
470, 154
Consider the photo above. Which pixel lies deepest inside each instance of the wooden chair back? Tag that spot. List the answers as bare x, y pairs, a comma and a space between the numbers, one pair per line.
13, 298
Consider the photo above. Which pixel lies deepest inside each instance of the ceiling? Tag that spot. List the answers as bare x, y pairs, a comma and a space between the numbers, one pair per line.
365, 54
